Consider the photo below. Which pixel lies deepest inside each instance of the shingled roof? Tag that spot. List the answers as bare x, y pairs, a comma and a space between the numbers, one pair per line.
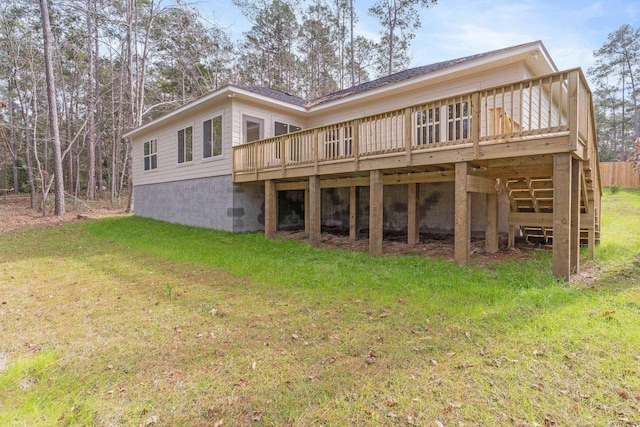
370, 85
400, 76
275, 94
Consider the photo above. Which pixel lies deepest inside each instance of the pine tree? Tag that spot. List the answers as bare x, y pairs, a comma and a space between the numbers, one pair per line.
399, 18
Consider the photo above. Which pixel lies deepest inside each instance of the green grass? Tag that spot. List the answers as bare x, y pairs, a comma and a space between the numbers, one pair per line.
110, 323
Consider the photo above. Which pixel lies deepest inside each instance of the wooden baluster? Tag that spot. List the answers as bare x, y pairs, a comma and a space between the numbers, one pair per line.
407, 132
475, 124
355, 135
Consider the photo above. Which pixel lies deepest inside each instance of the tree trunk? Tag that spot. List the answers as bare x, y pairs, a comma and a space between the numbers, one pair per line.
636, 122
353, 63
91, 154
53, 110
98, 105
12, 142
130, 177
624, 115
117, 132
32, 184
27, 142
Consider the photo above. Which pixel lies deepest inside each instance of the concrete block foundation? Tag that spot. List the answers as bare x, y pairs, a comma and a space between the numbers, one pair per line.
214, 202
218, 203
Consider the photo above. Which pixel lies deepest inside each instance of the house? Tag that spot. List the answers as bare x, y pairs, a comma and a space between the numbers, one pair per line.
499, 142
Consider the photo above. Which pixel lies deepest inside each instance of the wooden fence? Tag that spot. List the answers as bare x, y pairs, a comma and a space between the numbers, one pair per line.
620, 173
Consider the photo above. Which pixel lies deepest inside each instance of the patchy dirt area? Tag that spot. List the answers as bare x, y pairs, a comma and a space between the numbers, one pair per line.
15, 213
440, 246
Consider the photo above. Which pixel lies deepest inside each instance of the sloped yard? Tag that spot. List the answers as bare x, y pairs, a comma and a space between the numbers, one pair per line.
127, 321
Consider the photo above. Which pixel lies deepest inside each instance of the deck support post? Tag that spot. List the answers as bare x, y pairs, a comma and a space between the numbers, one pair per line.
315, 202
575, 215
592, 233
562, 215
413, 214
270, 208
462, 229
376, 212
307, 212
491, 229
511, 239
353, 212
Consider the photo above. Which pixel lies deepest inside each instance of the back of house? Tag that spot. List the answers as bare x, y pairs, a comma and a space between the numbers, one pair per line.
247, 158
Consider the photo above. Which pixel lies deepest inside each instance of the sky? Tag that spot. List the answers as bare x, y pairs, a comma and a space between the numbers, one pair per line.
570, 29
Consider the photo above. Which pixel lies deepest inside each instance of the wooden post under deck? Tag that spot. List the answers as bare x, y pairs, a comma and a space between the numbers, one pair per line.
491, 229
314, 210
575, 215
511, 241
462, 229
592, 234
562, 215
353, 212
270, 208
376, 212
307, 211
413, 214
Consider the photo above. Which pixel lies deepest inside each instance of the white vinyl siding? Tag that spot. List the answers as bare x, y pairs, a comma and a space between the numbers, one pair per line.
242, 109
166, 135
421, 93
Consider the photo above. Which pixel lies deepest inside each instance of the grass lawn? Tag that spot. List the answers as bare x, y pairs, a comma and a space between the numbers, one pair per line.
129, 321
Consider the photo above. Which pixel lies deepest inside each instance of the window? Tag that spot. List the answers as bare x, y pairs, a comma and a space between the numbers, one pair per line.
458, 121
283, 129
185, 145
428, 126
338, 142
151, 154
252, 128
212, 137
332, 143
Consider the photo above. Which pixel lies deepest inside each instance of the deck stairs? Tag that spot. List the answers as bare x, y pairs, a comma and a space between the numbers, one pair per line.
535, 194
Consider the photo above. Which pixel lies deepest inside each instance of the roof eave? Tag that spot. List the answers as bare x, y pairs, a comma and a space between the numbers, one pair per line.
268, 100
178, 111
229, 90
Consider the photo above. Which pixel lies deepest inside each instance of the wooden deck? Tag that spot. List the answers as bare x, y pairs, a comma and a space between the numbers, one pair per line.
535, 138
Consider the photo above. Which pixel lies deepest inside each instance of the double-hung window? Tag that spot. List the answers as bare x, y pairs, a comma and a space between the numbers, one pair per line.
284, 128
212, 137
280, 128
185, 145
150, 154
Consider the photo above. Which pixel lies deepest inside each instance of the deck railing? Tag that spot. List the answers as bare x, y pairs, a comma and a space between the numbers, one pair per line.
551, 104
